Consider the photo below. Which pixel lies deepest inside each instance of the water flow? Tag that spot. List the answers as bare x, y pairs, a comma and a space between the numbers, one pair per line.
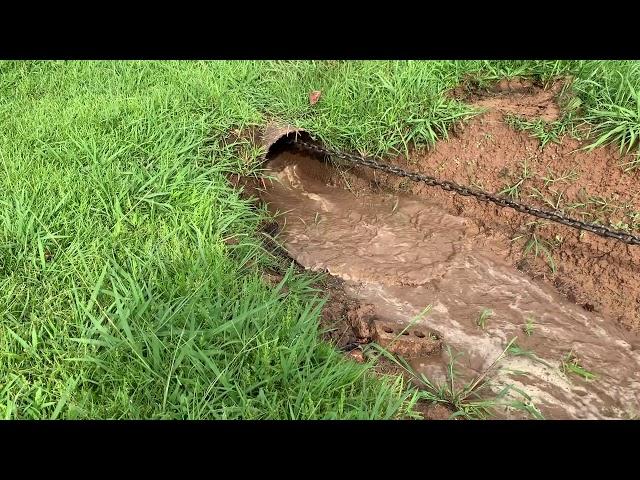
402, 253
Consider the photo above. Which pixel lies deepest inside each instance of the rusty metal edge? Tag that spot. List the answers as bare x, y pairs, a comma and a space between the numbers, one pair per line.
273, 132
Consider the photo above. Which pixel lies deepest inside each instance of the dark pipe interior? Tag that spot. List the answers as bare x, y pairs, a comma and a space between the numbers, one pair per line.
285, 143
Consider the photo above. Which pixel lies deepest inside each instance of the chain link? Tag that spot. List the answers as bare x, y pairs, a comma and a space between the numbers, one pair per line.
474, 192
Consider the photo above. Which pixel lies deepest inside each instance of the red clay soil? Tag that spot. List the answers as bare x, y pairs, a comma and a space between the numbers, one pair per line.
599, 274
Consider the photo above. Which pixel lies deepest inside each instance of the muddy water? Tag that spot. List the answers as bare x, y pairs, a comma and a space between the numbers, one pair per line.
402, 254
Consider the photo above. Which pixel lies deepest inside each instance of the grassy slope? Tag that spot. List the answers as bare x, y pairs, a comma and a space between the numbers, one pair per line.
119, 297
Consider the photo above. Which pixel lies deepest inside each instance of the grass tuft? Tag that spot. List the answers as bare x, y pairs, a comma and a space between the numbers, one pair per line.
571, 364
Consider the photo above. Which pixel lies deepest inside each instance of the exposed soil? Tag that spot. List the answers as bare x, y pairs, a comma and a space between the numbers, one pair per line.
393, 247
519, 97
433, 411
600, 274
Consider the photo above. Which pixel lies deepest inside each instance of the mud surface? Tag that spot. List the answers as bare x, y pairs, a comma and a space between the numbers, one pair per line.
400, 247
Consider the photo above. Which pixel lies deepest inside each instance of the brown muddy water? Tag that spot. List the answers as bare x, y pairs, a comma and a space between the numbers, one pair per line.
402, 254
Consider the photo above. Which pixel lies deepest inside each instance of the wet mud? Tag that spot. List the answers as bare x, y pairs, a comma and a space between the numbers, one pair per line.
401, 254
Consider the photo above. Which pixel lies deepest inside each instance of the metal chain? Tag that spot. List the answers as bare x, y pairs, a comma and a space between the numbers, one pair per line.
478, 194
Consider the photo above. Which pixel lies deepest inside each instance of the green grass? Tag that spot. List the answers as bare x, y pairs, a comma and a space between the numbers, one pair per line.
570, 364
538, 246
514, 186
119, 297
517, 351
546, 132
529, 327
485, 315
474, 400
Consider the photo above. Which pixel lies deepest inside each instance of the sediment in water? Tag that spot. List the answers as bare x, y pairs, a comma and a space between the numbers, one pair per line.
402, 253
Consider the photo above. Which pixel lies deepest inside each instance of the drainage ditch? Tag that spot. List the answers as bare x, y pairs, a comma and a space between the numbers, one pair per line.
431, 276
